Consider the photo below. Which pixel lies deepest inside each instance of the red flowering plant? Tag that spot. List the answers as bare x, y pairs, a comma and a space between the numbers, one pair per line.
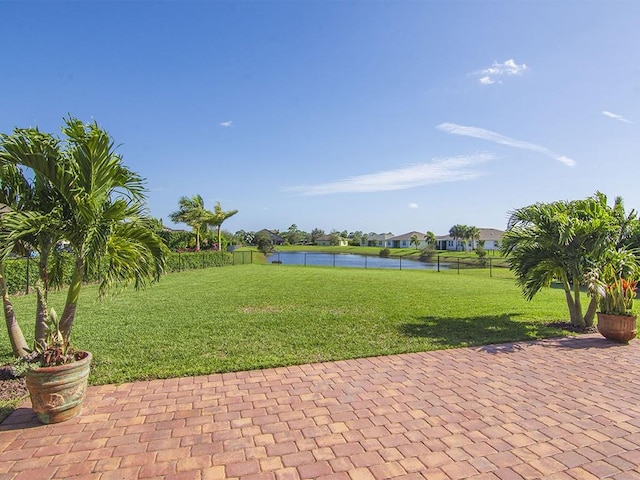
615, 283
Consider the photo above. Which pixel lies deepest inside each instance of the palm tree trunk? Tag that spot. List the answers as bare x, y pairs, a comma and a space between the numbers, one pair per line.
41, 314
570, 302
69, 313
580, 323
18, 343
42, 287
591, 312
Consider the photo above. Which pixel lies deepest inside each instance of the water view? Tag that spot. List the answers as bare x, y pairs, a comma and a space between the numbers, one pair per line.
349, 260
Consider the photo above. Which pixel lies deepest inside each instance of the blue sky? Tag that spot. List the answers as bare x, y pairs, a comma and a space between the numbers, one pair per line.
372, 116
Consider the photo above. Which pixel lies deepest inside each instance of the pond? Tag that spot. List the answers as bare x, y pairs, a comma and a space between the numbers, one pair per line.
349, 260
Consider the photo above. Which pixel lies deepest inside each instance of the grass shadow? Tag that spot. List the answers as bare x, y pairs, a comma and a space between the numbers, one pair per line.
479, 330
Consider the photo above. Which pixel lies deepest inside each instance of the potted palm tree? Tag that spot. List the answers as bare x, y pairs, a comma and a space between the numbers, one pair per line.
102, 219
614, 285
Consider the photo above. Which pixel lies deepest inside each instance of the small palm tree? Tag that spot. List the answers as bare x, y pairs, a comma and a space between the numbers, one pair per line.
219, 216
192, 212
430, 238
414, 240
104, 215
562, 241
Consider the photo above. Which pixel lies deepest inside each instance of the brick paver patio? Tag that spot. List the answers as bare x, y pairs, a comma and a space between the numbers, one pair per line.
557, 409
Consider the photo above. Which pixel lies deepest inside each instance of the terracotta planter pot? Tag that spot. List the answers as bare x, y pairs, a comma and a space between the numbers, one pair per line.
57, 392
619, 328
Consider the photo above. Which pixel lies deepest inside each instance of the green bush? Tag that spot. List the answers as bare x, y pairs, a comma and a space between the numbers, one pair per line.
385, 253
176, 262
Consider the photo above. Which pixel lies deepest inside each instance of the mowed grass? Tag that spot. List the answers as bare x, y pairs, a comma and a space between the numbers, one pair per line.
256, 316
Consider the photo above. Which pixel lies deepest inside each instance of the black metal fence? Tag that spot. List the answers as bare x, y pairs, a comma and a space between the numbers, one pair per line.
21, 273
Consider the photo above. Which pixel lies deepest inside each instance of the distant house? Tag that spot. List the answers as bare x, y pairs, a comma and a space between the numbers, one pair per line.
328, 240
490, 236
274, 237
376, 240
404, 240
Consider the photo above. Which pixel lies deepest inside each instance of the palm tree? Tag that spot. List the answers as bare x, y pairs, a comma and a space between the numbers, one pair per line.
430, 238
414, 240
457, 232
219, 216
104, 219
473, 234
561, 240
193, 213
12, 188
33, 216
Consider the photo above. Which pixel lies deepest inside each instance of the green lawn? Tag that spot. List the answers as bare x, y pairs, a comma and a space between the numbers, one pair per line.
256, 316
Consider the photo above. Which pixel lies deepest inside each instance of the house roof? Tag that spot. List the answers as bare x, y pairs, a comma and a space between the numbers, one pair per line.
407, 236
271, 234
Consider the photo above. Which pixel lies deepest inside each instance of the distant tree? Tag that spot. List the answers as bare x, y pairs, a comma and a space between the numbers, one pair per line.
482, 253
305, 238
472, 234
334, 239
316, 233
430, 238
293, 235
264, 243
219, 216
414, 240
457, 232
192, 212
364, 240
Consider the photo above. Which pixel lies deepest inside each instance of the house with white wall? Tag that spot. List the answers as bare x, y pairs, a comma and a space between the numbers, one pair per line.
404, 240
376, 240
490, 236
327, 241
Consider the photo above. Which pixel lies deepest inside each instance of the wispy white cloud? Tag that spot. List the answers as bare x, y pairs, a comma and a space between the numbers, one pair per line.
228, 123
492, 74
490, 136
440, 170
615, 116
413, 205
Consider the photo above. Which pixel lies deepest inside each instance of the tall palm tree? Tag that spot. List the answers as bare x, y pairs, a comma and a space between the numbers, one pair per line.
219, 216
192, 212
104, 219
561, 240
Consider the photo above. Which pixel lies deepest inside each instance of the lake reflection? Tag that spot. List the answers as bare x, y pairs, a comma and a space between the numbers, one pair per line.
348, 260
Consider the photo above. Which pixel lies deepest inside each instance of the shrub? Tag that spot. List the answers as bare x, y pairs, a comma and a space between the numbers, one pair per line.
427, 253
385, 253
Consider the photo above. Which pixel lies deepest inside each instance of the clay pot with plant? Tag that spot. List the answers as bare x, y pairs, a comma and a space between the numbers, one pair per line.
100, 218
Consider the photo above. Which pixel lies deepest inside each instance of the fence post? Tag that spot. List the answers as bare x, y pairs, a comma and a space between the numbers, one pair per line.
438, 262
400, 263
305, 259
202, 259
179, 269
458, 265
365, 261
490, 269
334, 259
